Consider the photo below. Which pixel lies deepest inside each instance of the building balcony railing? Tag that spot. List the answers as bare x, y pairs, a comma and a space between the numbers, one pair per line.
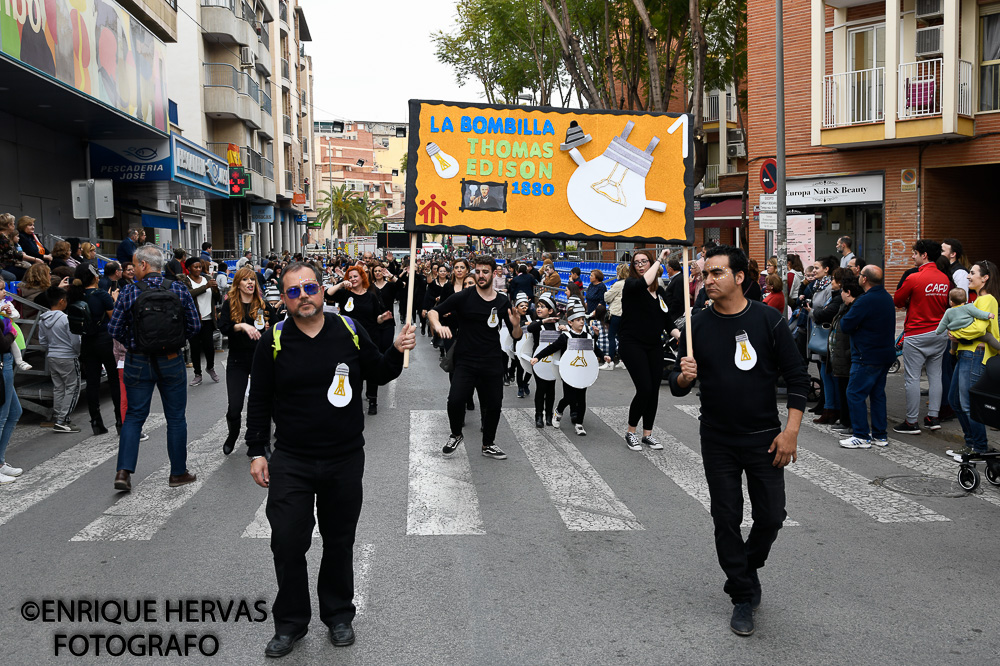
285, 69
268, 169
232, 92
289, 181
226, 20
283, 12
712, 177
964, 88
265, 102
919, 89
854, 98
263, 62
286, 125
712, 108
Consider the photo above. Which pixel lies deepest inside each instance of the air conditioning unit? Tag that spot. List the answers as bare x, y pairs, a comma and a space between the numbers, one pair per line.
247, 56
927, 9
929, 41
736, 150
735, 136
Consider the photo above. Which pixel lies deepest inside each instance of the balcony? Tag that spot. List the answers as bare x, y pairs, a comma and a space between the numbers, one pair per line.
286, 128
711, 109
231, 93
223, 19
286, 82
266, 128
854, 98
283, 15
263, 48
289, 181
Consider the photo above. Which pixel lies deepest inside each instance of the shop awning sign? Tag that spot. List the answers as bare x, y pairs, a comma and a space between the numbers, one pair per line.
537, 171
196, 166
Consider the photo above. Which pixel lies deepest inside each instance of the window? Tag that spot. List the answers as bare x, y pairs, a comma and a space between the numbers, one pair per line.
989, 63
395, 172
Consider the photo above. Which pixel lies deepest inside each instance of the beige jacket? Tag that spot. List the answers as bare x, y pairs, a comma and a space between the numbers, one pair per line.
613, 297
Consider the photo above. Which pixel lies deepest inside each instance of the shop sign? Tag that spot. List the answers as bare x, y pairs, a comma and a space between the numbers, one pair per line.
262, 214
298, 198
125, 161
239, 181
196, 166
834, 190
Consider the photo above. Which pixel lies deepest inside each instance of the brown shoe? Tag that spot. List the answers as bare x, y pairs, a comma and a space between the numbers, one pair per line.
182, 479
828, 416
123, 481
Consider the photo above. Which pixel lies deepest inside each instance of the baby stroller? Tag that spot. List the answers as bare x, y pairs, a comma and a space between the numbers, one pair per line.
984, 407
894, 368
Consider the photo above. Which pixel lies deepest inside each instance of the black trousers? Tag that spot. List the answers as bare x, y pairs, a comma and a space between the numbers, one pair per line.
488, 382
383, 337
98, 352
545, 396
576, 400
202, 343
335, 487
845, 412
237, 378
645, 367
724, 468
523, 378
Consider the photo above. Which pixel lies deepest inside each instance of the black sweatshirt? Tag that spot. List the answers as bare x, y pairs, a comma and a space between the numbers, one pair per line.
240, 345
387, 294
742, 402
479, 343
643, 318
560, 345
292, 389
432, 295
362, 308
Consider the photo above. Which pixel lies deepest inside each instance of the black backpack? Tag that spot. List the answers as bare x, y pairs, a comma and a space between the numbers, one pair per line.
80, 320
158, 319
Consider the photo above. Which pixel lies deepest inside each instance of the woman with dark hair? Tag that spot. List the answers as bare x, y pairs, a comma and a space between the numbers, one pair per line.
60, 255
595, 291
751, 286
387, 287
794, 279
10, 256
75, 258
28, 240
97, 346
205, 292
357, 300
244, 317
640, 342
972, 354
433, 295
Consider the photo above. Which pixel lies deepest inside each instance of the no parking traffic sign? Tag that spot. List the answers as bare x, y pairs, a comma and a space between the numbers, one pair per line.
769, 176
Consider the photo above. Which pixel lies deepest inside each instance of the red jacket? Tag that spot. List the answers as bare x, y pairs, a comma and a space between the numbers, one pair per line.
925, 296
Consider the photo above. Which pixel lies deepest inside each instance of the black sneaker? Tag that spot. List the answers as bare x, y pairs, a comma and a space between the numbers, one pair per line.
527, 390
372, 408
932, 422
492, 451
452, 444
539, 421
652, 442
742, 621
520, 394
908, 428
506, 381
632, 441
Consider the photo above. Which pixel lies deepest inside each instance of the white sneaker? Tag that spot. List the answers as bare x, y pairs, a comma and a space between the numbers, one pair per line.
579, 429
9, 470
621, 365
880, 441
855, 443
23, 365
556, 418
7, 479
607, 366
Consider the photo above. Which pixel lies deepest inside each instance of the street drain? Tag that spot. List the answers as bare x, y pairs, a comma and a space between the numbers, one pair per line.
925, 486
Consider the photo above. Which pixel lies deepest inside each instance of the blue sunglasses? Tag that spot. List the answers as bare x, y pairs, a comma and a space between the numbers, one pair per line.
311, 289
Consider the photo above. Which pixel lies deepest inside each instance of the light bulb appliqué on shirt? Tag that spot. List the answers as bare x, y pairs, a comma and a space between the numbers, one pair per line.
609, 192
340, 393
494, 320
259, 321
663, 304
444, 164
746, 355
349, 305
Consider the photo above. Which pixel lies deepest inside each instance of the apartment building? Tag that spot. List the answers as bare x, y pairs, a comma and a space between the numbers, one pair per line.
366, 157
892, 124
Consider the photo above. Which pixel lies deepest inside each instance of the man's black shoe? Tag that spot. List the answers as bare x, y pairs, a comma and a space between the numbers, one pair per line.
539, 421
342, 635
279, 646
372, 408
742, 622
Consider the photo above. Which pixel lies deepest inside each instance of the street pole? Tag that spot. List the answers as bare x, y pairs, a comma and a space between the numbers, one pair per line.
781, 234
92, 210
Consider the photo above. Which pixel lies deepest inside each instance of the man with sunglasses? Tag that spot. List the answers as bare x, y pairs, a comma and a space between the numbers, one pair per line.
480, 362
742, 343
307, 377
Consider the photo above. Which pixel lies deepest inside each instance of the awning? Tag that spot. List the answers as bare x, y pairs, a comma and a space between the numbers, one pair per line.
726, 213
159, 221
388, 188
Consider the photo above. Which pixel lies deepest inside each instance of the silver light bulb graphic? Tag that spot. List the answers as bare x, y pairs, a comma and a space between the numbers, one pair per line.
445, 165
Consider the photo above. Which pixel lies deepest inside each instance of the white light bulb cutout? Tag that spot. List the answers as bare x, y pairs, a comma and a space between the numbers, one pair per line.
445, 165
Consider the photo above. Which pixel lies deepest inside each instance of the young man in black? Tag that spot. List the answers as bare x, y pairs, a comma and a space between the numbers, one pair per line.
746, 345
307, 374
479, 361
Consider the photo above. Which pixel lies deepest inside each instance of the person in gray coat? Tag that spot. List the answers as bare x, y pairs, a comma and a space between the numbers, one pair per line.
64, 358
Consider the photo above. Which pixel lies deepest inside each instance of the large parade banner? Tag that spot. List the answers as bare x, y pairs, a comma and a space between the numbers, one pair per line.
544, 172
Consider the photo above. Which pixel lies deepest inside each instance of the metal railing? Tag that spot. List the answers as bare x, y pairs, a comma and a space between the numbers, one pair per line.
224, 75
220, 148
854, 98
711, 112
268, 169
251, 159
264, 33
289, 181
265, 102
964, 88
286, 125
225, 4
920, 89
249, 15
712, 177
283, 11
285, 69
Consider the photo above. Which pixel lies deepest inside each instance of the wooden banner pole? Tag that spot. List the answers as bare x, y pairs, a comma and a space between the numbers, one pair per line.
687, 304
409, 292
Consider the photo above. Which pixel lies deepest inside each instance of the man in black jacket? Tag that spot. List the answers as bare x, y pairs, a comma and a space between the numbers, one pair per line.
673, 293
307, 376
742, 348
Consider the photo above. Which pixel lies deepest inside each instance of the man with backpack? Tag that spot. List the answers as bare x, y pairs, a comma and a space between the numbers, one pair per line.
153, 318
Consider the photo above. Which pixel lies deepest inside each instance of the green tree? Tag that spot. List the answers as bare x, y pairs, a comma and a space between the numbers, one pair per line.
403, 162
338, 206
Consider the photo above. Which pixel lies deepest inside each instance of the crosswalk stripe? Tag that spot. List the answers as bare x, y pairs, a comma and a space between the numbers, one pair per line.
584, 501
882, 504
47, 478
260, 527
679, 463
139, 515
390, 394
909, 456
442, 497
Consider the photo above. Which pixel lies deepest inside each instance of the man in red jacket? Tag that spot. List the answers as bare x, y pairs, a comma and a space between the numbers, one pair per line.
924, 294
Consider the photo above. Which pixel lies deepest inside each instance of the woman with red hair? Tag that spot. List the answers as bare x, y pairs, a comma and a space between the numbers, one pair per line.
363, 304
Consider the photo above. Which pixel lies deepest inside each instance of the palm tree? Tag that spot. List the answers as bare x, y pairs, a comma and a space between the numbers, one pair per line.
338, 206
369, 219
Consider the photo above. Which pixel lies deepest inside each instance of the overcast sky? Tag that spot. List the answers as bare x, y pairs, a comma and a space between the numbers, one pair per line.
375, 56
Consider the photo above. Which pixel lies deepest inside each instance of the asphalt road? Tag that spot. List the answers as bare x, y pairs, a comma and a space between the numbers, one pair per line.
575, 550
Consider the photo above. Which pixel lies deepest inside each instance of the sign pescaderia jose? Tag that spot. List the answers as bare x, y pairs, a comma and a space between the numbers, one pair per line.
196, 166
542, 172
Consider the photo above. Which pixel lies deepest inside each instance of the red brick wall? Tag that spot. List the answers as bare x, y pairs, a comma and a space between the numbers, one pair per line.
957, 198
